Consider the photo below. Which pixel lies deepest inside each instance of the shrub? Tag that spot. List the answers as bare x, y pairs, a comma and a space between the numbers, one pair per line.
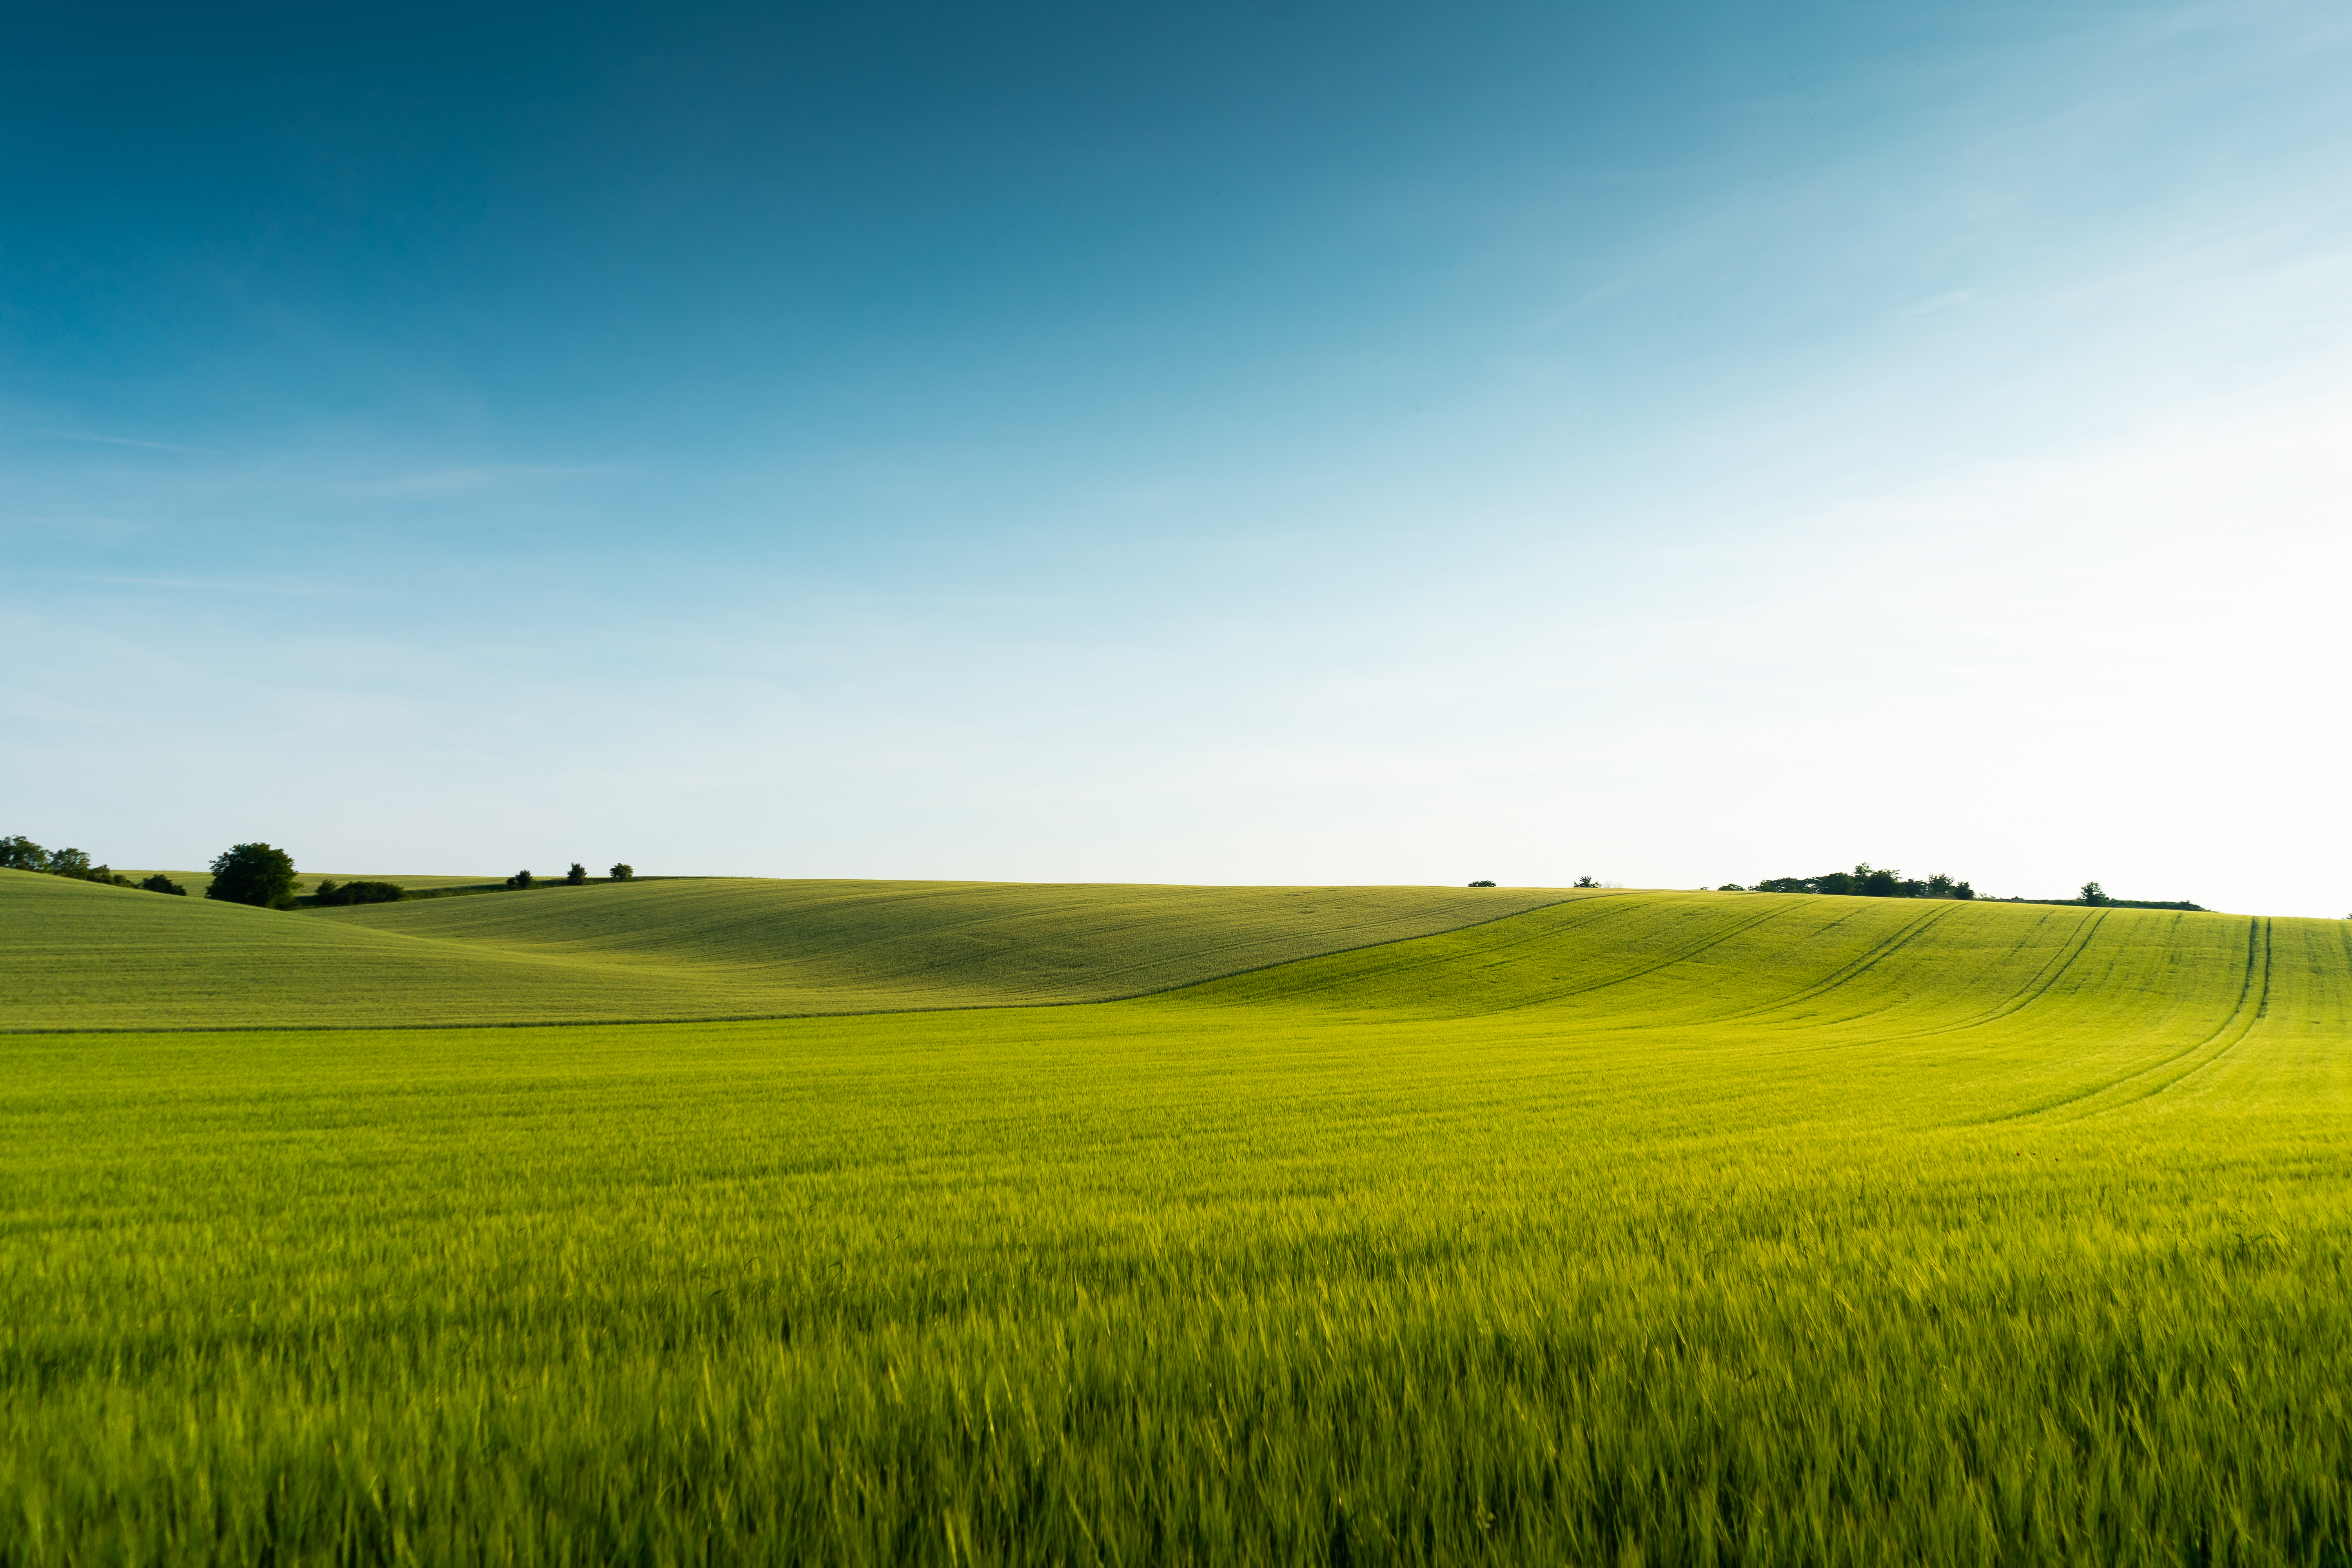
253, 874
1866, 881
331, 895
624, 872
520, 879
160, 883
1482, 884
577, 875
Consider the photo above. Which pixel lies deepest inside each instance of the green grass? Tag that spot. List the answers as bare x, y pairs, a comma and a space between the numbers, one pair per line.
1658, 1228
75, 955
197, 881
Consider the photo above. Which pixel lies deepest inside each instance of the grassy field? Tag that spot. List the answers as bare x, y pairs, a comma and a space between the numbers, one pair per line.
197, 881
75, 955
1651, 1228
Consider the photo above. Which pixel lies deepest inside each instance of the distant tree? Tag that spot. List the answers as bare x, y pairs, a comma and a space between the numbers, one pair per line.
160, 883
2095, 894
332, 895
624, 872
1482, 884
254, 874
18, 853
67, 863
1731, 887
1586, 882
520, 879
577, 875
1867, 881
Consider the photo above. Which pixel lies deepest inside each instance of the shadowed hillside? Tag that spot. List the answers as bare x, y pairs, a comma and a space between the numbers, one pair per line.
1667, 1228
78, 955
2073, 1011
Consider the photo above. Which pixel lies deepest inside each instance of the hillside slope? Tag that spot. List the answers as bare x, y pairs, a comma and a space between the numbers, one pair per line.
2143, 997
901, 944
75, 955
307, 880
1661, 1227
2074, 1011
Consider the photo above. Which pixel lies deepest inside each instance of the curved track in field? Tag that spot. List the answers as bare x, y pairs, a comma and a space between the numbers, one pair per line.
74, 955
2102, 1009
2088, 1012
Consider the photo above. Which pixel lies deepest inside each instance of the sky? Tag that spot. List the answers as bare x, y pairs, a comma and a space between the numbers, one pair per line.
1268, 442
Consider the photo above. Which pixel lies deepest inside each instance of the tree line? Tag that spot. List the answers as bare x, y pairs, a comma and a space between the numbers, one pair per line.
261, 874
1868, 881
1864, 881
621, 873
18, 853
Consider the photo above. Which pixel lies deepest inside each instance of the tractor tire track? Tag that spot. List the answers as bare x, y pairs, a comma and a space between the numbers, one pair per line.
2052, 970
2261, 1010
1684, 956
1893, 942
2258, 957
1571, 911
1540, 936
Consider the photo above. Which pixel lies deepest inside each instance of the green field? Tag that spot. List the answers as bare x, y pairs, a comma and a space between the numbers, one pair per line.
197, 881
76, 955
1638, 1228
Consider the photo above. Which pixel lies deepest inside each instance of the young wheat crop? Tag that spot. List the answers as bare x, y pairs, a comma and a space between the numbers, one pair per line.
1658, 1229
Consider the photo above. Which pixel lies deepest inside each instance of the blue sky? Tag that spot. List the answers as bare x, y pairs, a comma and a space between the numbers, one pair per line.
1271, 442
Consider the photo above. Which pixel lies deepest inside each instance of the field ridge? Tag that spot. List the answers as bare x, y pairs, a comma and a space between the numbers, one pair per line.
1669, 1227
77, 957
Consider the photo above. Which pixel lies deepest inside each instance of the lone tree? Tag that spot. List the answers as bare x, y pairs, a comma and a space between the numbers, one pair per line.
254, 874
520, 879
1482, 884
577, 875
160, 883
624, 872
2094, 894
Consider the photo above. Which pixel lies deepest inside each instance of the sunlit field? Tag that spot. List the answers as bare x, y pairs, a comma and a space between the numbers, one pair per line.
1647, 1227
74, 955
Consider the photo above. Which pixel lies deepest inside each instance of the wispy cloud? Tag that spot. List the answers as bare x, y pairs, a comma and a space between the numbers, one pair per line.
1939, 303
445, 481
205, 584
122, 441
95, 530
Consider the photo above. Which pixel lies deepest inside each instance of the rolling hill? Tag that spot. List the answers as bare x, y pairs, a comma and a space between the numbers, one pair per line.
1659, 1227
2081, 1011
77, 955
197, 881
